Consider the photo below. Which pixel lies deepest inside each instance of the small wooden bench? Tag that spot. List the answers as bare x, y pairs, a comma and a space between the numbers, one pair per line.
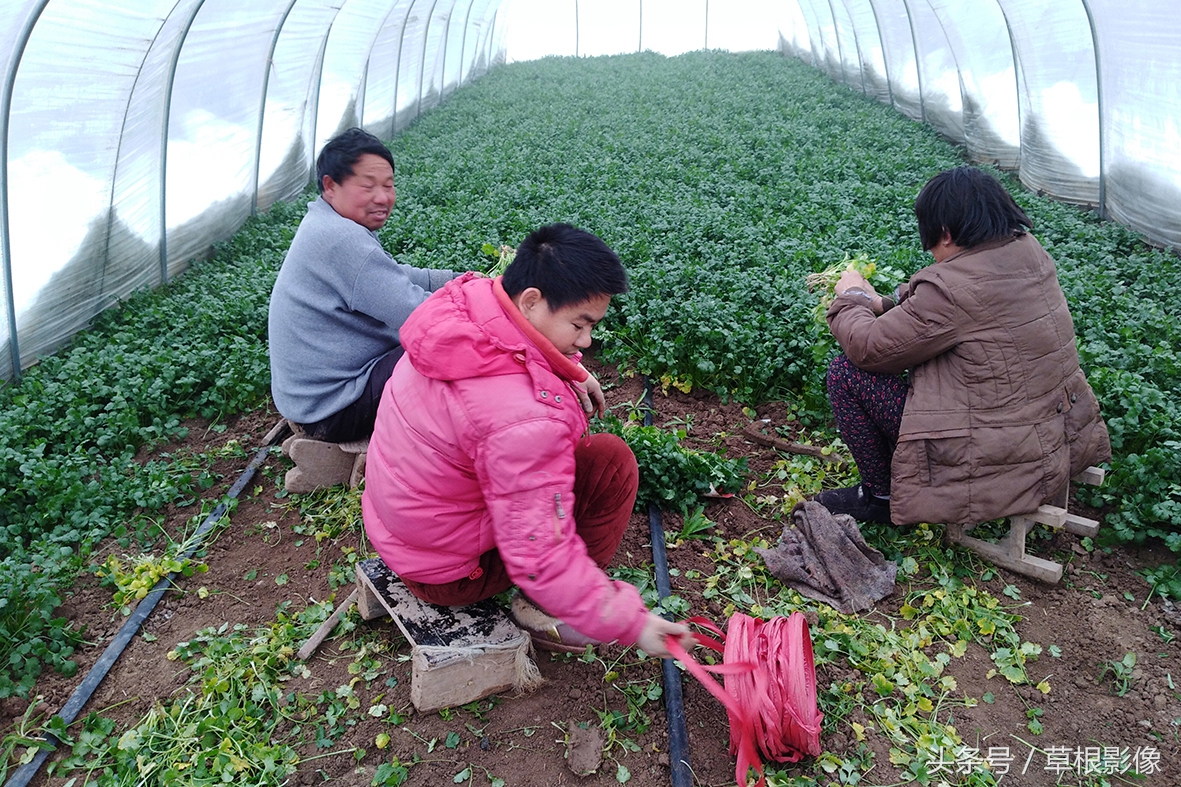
458, 654
320, 464
1009, 552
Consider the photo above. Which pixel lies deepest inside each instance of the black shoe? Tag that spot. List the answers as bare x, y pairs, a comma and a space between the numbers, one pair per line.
857, 503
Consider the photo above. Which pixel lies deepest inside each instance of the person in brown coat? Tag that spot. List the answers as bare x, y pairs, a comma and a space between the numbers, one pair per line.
963, 401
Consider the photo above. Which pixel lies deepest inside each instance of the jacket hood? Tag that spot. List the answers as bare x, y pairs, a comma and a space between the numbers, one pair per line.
465, 330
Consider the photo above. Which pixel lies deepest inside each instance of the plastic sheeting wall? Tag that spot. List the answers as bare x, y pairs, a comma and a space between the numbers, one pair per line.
1081, 97
134, 134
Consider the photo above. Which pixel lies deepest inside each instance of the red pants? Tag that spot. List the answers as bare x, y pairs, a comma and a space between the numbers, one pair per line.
605, 482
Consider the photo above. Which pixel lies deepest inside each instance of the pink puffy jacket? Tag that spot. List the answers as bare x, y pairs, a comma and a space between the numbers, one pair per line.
473, 445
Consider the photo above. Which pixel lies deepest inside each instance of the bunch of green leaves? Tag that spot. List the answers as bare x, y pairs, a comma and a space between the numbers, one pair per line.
822, 283
502, 257
672, 476
134, 577
1120, 672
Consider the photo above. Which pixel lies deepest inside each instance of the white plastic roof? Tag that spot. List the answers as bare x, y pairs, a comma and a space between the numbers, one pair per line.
1081, 97
136, 133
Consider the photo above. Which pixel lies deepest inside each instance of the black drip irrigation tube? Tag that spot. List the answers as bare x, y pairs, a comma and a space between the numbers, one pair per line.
86, 688
674, 702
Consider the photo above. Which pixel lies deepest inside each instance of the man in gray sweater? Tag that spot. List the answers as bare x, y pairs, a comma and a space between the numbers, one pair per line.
340, 298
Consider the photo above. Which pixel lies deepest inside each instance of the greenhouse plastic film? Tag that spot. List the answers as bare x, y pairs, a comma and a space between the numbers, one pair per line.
15, 20
476, 42
67, 130
1140, 115
287, 152
793, 32
452, 64
898, 45
137, 207
939, 77
869, 46
354, 31
825, 45
213, 125
381, 93
435, 54
172, 121
409, 74
1058, 98
979, 40
849, 46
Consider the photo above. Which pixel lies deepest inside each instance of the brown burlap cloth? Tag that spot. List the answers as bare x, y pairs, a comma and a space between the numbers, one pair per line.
824, 557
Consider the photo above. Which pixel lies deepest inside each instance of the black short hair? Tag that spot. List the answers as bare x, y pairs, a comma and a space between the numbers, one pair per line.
970, 204
567, 264
341, 152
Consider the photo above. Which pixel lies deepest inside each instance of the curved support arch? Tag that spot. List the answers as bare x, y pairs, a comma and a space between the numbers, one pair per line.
122, 136
918, 63
376, 40
268, 64
180, 43
22, 40
885, 60
1099, 96
856, 39
467, 25
398, 69
836, 31
430, 17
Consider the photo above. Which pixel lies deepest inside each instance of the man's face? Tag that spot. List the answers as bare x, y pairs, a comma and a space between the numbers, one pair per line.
568, 328
367, 196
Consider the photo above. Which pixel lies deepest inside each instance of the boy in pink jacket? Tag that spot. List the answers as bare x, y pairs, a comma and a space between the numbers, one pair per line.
480, 472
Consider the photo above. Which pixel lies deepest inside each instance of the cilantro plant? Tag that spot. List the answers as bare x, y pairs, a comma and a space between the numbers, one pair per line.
672, 476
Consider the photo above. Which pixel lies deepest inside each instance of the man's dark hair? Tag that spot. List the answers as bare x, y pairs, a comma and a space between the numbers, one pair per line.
970, 204
567, 264
341, 152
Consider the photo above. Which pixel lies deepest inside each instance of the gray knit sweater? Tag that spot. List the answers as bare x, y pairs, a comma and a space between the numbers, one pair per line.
336, 308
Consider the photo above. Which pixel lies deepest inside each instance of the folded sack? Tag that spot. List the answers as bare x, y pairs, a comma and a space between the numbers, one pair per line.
825, 558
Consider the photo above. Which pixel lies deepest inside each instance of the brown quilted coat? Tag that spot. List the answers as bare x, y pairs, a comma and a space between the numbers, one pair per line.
999, 415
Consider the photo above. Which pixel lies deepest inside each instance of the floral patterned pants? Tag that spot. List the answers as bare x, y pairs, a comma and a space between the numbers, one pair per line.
868, 412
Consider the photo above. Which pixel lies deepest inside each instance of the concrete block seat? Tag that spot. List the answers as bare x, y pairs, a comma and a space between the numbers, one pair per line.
320, 464
458, 654
1009, 552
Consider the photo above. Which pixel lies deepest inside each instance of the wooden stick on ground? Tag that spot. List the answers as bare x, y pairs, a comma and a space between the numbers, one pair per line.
779, 444
326, 627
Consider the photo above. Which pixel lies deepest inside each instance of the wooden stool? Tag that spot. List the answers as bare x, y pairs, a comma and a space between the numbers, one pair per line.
321, 464
458, 654
1009, 552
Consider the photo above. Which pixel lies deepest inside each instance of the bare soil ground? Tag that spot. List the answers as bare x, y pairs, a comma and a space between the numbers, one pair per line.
1097, 614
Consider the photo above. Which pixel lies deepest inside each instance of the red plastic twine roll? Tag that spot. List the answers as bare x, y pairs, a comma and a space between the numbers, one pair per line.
770, 688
